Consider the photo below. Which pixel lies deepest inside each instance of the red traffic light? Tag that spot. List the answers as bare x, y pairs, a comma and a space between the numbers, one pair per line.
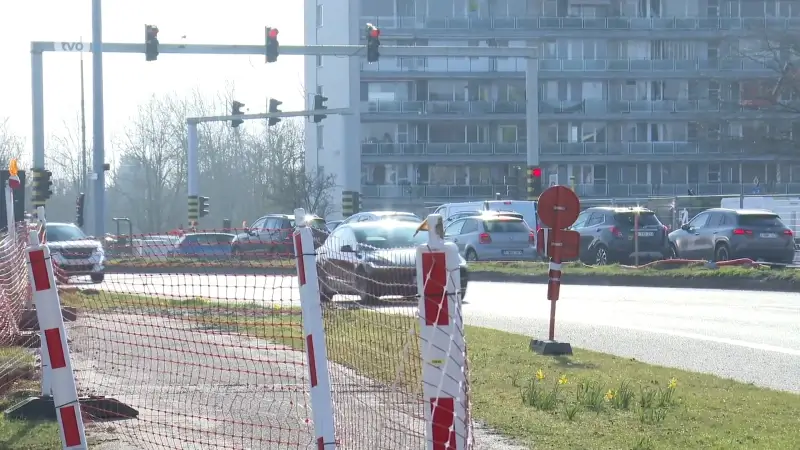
375, 33
273, 33
536, 172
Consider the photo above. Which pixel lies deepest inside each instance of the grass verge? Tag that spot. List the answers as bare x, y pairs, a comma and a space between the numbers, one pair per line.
22, 434
573, 268
590, 400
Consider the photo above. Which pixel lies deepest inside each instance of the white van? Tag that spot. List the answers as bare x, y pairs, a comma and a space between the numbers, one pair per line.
524, 207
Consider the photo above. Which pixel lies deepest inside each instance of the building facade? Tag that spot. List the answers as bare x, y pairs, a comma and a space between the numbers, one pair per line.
637, 98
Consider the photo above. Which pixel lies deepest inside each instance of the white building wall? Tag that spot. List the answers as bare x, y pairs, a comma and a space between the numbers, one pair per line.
340, 153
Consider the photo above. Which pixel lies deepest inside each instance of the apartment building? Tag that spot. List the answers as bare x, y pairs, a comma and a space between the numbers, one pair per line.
636, 98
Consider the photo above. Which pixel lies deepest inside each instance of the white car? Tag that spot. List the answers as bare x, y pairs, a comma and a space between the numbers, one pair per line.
74, 252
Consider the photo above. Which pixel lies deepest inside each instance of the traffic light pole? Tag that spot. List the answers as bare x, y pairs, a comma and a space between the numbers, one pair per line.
355, 51
193, 164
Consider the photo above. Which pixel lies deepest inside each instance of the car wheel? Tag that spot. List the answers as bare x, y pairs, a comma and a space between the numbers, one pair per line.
471, 255
236, 254
366, 288
722, 253
600, 255
97, 277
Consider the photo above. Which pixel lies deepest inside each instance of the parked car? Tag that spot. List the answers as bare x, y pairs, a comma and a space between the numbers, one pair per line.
720, 234
203, 245
372, 260
609, 234
75, 252
372, 216
493, 236
528, 209
333, 224
271, 235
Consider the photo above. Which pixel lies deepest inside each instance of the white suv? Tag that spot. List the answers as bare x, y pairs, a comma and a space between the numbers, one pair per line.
74, 252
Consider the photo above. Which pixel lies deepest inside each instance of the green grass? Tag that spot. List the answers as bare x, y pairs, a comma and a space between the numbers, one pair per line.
697, 270
700, 412
23, 434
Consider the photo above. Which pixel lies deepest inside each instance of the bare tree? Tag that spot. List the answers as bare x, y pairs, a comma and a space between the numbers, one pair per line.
11, 145
64, 155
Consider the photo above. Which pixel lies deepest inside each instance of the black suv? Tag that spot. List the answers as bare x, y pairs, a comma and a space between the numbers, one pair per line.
608, 235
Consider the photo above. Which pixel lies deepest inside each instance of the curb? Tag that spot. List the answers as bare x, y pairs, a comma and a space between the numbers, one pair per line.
724, 283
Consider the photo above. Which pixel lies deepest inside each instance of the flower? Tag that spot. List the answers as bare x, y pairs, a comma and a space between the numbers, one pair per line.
562, 380
540, 375
673, 383
610, 395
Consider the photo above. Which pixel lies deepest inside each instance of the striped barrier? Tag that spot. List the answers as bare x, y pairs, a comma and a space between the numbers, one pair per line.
314, 333
55, 352
443, 348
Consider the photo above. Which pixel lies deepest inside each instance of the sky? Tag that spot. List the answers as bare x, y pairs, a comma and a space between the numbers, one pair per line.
128, 79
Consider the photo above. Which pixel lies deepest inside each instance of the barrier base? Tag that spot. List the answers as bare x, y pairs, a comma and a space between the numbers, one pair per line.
42, 408
29, 321
551, 348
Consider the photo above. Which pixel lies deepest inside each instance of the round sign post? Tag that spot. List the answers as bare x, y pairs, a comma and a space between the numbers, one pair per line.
558, 209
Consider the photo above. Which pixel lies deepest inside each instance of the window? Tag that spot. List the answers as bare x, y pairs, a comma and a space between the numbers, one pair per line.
581, 220
319, 60
505, 225
319, 16
596, 219
470, 226
714, 173
454, 229
699, 221
629, 219
507, 134
760, 220
320, 138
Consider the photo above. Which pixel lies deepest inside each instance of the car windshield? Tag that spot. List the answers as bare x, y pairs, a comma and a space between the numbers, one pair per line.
390, 237
629, 219
505, 225
402, 218
760, 220
57, 233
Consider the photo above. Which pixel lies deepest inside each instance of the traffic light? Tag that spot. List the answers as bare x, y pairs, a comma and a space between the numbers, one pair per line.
319, 104
203, 206
273, 108
271, 42
534, 183
373, 43
47, 184
236, 110
150, 42
79, 203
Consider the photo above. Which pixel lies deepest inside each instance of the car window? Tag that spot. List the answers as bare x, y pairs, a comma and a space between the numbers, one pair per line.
581, 220
470, 226
382, 237
222, 239
595, 219
188, 240
259, 223
506, 225
439, 210
351, 219
318, 223
760, 220
56, 233
699, 220
403, 218
365, 218
628, 219
716, 220
269, 223
454, 229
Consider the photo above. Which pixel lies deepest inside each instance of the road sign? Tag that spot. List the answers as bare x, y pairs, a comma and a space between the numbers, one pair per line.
558, 207
558, 244
71, 47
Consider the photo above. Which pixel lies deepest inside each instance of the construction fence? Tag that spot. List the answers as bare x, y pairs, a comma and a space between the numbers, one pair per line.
293, 340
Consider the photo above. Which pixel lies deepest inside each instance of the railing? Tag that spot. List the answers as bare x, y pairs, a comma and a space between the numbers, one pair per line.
500, 64
596, 190
517, 148
566, 107
642, 148
583, 23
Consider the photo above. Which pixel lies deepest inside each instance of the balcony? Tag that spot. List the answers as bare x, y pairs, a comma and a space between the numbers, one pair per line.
452, 149
380, 110
571, 24
607, 193
441, 67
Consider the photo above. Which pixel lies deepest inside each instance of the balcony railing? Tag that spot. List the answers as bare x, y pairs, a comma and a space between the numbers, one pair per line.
677, 24
386, 149
478, 65
566, 107
642, 148
598, 190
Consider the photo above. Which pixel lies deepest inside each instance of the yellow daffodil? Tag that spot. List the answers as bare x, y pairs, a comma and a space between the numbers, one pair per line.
562, 380
540, 375
610, 395
673, 383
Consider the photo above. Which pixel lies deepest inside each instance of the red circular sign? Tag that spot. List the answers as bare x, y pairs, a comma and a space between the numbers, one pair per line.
558, 207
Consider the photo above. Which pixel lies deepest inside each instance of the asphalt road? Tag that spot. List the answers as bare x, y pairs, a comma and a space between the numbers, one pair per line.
734, 334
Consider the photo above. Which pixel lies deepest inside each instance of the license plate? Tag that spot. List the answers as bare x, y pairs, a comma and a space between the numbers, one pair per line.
512, 252
768, 235
646, 234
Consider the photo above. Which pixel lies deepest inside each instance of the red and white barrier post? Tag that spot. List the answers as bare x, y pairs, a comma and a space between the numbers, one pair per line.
54, 345
314, 331
444, 384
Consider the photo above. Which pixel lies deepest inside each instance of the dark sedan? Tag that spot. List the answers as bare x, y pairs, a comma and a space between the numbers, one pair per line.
373, 260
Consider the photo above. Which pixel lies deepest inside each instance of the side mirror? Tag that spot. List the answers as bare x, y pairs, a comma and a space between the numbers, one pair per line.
347, 249
686, 227
250, 231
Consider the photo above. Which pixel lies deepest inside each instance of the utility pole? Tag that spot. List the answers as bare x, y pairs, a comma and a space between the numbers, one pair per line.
98, 143
84, 168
